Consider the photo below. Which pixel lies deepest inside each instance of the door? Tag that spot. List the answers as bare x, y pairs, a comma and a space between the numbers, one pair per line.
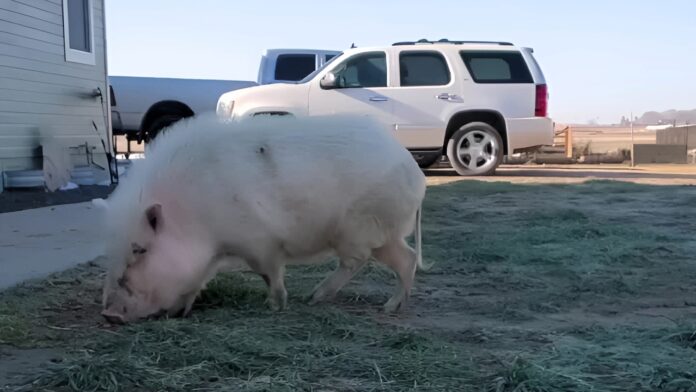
424, 99
361, 89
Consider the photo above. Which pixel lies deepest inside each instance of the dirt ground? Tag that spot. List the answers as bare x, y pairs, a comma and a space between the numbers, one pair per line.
540, 282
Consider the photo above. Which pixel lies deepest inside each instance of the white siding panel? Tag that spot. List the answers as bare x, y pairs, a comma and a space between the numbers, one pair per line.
80, 122
30, 53
55, 68
17, 152
44, 88
30, 32
28, 21
24, 74
25, 42
31, 11
74, 97
7, 106
48, 6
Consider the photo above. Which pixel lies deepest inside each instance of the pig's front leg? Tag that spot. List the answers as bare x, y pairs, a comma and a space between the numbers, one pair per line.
277, 295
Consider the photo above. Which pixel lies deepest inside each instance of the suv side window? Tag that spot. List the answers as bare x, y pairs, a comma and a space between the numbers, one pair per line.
497, 67
423, 69
363, 70
294, 67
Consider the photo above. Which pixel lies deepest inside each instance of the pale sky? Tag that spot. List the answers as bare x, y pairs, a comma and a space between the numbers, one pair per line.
601, 59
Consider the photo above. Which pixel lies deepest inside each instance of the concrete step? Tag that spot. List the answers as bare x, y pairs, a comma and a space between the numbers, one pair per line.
81, 175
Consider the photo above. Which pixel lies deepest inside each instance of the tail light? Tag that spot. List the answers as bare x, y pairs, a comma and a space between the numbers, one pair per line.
542, 101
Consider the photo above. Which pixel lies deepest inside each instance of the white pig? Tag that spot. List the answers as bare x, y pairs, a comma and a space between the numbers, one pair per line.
264, 193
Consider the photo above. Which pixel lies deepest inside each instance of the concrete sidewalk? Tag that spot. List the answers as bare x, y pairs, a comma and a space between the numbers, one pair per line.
35, 243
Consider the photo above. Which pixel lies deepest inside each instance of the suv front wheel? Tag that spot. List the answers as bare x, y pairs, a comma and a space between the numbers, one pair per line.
476, 149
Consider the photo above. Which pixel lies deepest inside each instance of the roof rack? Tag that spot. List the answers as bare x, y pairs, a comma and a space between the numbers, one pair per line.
446, 41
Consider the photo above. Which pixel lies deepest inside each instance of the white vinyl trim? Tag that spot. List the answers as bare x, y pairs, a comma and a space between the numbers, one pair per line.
74, 55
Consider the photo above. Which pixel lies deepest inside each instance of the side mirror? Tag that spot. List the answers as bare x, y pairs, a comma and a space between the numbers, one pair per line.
328, 81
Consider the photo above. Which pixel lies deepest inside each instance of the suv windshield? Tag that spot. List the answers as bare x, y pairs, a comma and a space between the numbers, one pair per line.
313, 74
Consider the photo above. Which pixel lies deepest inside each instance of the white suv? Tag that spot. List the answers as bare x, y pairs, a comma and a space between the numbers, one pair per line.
472, 101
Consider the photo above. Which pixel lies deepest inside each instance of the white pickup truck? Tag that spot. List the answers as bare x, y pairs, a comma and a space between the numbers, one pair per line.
142, 106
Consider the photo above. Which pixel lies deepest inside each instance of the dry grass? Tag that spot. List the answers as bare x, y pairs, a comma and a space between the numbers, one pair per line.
534, 288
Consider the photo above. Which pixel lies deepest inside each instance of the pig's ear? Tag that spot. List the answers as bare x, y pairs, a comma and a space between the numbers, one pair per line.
153, 215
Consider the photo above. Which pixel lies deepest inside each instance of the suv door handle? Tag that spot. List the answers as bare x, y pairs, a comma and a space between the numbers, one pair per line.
447, 96
378, 99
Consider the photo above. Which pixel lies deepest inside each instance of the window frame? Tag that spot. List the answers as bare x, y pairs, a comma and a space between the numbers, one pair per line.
529, 78
75, 55
450, 74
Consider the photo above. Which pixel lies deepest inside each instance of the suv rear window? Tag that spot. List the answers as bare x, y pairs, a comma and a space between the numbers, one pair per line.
423, 69
294, 67
497, 67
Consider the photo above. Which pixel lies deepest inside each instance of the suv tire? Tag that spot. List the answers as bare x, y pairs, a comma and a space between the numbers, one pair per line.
476, 149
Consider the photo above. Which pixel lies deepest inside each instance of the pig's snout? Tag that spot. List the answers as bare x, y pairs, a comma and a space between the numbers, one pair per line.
113, 318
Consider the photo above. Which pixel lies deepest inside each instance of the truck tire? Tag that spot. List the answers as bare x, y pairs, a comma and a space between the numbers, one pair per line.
160, 124
476, 149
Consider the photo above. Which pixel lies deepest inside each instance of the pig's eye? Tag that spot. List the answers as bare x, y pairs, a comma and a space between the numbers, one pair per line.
137, 249
123, 282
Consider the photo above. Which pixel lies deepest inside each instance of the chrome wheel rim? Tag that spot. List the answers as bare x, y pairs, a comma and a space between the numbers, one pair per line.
477, 151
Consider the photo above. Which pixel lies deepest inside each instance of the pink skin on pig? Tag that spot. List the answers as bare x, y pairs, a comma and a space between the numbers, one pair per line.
163, 275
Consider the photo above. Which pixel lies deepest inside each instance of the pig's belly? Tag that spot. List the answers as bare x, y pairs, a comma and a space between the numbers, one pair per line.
286, 239
302, 245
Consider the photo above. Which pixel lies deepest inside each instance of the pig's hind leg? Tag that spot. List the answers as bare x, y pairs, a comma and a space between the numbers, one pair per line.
359, 234
402, 260
348, 266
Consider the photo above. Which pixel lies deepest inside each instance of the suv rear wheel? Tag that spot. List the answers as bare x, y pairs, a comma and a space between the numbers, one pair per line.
476, 149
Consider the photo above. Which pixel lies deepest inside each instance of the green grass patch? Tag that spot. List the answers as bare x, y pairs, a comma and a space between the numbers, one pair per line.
14, 327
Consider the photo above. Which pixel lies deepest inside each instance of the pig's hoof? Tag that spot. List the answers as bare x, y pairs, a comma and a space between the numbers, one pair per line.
113, 318
278, 301
393, 305
320, 296
276, 307
315, 298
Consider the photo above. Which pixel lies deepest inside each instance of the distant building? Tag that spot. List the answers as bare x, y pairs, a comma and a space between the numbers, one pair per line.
682, 135
658, 127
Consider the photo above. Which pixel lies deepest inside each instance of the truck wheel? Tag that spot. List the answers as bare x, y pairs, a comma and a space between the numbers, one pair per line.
476, 149
161, 123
